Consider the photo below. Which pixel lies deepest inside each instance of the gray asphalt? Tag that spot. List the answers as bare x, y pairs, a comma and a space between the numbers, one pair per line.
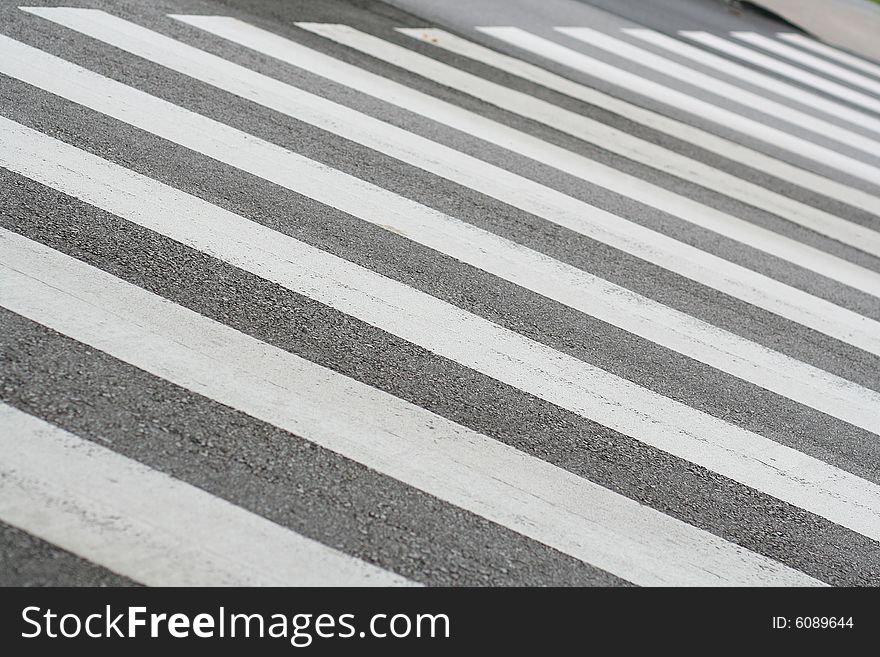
342, 503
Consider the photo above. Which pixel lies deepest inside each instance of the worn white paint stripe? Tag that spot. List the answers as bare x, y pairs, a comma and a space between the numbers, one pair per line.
832, 53
799, 56
773, 84
368, 201
392, 436
494, 351
710, 177
694, 106
705, 140
148, 526
436, 158
85, 176
718, 87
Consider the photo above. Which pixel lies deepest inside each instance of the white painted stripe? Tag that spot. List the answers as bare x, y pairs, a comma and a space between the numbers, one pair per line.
148, 526
805, 59
323, 183
801, 213
85, 176
483, 346
718, 87
449, 163
832, 53
391, 436
698, 108
775, 85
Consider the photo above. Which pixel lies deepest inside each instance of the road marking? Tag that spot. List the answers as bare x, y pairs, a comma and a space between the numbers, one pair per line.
775, 85
87, 177
728, 149
148, 526
361, 423
803, 58
833, 53
522, 266
698, 108
440, 160
718, 87
583, 128
323, 183
473, 342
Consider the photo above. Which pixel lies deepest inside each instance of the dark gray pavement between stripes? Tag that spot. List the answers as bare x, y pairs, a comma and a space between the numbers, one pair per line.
332, 498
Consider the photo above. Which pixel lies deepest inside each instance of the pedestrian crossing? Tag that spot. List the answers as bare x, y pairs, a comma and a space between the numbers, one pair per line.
810, 61
828, 107
534, 198
829, 52
688, 133
477, 474
756, 102
694, 105
612, 140
554, 319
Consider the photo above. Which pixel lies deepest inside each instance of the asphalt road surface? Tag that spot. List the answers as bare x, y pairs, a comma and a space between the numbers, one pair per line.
440, 293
